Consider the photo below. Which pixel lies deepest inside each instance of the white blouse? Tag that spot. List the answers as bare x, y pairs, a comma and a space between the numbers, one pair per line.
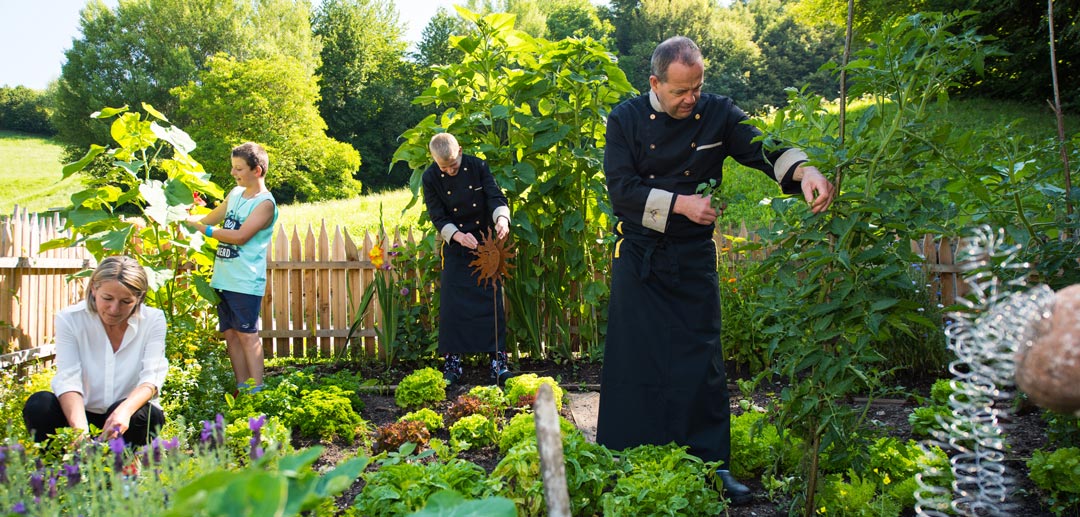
86, 364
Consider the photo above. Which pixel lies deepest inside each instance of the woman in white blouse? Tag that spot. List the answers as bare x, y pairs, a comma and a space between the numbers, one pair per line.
110, 361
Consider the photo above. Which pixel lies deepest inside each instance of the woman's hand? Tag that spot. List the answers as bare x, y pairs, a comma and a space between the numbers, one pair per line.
117, 423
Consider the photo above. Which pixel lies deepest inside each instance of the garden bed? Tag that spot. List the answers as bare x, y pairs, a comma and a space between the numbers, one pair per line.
1025, 430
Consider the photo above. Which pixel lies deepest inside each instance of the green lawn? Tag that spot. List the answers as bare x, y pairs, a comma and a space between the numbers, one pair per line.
357, 215
30, 174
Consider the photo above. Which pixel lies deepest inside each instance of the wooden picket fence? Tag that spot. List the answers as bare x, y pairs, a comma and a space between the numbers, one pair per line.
315, 281
34, 284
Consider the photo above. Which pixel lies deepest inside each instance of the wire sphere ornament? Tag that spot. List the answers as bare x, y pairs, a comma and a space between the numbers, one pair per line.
999, 319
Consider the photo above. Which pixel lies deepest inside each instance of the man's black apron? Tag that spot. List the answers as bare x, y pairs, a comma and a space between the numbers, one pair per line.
471, 316
663, 378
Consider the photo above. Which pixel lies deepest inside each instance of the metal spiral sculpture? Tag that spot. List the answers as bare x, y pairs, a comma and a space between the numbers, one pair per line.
985, 338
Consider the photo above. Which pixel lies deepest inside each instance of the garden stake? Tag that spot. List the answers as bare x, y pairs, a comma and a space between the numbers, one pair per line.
549, 445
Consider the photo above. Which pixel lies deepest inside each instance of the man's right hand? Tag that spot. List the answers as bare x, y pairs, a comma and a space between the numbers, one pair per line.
466, 239
696, 208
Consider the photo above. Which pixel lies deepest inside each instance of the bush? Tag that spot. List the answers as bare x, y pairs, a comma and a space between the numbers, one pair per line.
522, 427
420, 388
24, 109
528, 384
326, 413
389, 437
404, 488
1058, 473
431, 420
472, 432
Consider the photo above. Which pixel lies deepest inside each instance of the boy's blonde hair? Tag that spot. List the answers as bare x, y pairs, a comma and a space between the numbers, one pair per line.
443, 146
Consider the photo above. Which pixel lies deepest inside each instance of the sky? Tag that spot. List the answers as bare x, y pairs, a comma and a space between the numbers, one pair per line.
34, 34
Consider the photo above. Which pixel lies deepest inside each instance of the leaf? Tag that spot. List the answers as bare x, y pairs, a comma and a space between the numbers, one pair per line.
449, 503
108, 112
74, 167
175, 136
157, 208
157, 114
202, 286
158, 276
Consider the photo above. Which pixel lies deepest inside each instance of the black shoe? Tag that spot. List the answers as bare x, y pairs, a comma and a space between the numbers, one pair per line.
736, 492
499, 369
451, 369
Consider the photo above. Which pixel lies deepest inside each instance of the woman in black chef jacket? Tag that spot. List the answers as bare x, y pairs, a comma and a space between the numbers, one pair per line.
465, 203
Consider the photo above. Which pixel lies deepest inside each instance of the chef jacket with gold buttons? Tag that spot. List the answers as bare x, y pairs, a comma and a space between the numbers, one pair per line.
651, 157
469, 201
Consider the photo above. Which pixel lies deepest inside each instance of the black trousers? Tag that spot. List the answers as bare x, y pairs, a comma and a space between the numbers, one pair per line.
663, 378
43, 415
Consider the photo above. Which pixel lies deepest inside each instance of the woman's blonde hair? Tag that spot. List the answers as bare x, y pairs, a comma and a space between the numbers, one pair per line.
123, 269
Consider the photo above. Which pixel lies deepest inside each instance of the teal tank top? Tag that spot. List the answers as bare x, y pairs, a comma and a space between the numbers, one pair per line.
242, 268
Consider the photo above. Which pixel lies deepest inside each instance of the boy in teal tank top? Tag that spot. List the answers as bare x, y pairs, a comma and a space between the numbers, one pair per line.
243, 226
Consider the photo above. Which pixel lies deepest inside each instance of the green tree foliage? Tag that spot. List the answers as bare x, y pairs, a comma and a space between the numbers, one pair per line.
270, 101
366, 83
578, 21
434, 47
141, 49
25, 109
534, 110
551, 19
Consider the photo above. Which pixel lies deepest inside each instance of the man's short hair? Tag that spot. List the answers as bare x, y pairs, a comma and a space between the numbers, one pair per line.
253, 154
674, 49
443, 146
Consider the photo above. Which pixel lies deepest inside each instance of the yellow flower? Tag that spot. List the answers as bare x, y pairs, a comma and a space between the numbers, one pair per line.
376, 256
821, 510
886, 480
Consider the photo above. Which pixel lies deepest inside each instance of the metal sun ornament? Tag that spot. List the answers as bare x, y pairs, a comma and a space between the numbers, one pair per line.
492, 262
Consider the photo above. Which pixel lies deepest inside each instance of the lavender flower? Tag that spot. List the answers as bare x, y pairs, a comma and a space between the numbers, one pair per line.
72, 473
52, 487
3, 464
404, 291
19, 508
207, 432
37, 484
116, 445
256, 425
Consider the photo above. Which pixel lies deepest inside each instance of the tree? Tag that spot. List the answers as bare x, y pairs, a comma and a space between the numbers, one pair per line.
139, 51
366, 84
578, 21
434, 47
25, 109
270, 101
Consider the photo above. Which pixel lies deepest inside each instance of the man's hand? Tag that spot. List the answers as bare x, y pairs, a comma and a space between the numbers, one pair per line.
696, 208
502, 227
466, 239
816, 189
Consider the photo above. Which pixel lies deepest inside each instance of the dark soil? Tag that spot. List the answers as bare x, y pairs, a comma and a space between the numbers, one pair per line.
1025, 429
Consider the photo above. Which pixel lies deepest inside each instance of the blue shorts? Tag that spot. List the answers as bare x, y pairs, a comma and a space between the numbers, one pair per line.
238, 311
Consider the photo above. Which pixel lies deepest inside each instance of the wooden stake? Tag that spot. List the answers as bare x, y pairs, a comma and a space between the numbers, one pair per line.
549, 444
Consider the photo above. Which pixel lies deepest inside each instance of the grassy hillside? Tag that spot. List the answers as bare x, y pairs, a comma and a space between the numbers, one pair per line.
30, 174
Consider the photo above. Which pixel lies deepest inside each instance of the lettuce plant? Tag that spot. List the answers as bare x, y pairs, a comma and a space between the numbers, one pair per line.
420, 388
472, 431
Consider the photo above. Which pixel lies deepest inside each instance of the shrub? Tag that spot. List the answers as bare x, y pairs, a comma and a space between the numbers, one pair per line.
662, 480
589, 470
389, 437
528, 384
491, 395
326, 413
431, 420
523, 427
273, 435
25, 109
420, 388
466, 405
472, 431
1058, 473
404, 488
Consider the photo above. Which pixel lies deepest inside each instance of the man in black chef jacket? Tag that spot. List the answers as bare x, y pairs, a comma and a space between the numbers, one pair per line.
464, 202
663, 378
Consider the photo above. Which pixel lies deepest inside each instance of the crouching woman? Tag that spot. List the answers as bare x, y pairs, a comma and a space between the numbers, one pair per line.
110, 361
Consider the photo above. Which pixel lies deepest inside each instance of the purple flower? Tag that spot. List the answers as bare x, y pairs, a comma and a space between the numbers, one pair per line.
116, 445
72, 473
19, 508
52, 487
3, 464
404, 291
207, 432
37, 484
256, 425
